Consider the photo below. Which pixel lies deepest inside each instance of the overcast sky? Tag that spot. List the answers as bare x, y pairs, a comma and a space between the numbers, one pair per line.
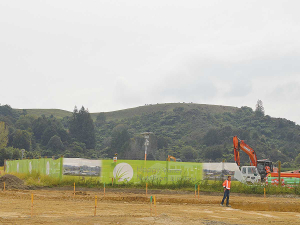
110, 55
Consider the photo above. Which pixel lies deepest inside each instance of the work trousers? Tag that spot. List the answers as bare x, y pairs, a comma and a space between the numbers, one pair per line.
226, 195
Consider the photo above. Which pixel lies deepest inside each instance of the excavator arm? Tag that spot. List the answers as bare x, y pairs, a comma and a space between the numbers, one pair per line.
171, 157
240, 144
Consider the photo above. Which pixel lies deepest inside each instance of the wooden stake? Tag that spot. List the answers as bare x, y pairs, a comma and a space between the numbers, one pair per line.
198, 191
147, 189
264, 192
31, 204
4, 186
151, 206
112, 181
95, 205
154, 204
195, 190
104, 189
74, 189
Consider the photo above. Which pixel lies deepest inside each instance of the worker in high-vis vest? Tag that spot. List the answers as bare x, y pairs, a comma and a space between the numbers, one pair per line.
226, 186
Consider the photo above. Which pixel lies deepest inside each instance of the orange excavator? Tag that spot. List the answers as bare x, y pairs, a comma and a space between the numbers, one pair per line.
171, 157
240, 144
263, 166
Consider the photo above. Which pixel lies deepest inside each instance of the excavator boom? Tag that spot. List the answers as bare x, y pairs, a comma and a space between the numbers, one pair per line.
240, 144
171, 157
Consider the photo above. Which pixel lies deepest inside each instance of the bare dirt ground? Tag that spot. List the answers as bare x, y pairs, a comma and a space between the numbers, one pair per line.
131, 206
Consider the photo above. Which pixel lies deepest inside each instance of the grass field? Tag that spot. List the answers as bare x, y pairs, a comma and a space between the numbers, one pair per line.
136, 111
35, 179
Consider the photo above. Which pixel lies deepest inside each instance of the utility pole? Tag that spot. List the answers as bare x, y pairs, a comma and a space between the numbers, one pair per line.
146, 136
22, 150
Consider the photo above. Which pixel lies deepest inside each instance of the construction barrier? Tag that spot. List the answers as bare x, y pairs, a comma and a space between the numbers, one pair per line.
284, 180
161, 172
45, 166
115, 172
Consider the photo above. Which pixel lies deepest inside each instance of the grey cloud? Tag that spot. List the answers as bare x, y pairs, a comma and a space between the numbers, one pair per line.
286, 92
239, 88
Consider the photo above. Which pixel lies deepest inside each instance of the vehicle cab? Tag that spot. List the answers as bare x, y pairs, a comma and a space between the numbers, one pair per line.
248, 174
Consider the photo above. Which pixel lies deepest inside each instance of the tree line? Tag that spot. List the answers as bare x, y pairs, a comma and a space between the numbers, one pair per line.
188, 134
45, 136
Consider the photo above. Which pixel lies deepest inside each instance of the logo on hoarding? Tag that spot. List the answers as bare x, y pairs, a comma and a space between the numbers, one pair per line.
123, 172
30, 167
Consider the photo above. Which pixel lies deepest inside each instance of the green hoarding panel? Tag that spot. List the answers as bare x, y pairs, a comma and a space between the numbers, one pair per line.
44, 166
284, 180
160, 172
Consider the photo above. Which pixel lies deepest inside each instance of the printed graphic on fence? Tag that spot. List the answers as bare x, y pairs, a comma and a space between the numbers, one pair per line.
217, 171
123, 171
46, 166
81, 167
136, 171
159, 172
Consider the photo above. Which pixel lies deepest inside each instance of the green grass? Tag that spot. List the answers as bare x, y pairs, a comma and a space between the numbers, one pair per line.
36, 179
58, 113
136, 111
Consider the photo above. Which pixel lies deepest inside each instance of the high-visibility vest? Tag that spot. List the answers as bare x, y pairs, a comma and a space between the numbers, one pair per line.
226, 184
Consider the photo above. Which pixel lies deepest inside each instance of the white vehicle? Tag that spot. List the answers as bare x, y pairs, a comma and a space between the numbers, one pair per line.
247, 174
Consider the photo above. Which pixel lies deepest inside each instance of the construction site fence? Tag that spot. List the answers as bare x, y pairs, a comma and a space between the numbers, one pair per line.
119, 171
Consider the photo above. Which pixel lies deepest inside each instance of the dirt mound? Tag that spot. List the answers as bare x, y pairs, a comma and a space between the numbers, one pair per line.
12, 182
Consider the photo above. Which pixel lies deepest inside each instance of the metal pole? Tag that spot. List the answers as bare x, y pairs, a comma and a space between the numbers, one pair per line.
22, 150
279, 172
145, 151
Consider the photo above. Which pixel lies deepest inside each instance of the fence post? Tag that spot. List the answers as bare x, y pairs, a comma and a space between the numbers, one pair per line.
95, 205
154, 204
150, 205
31, 204
61, 167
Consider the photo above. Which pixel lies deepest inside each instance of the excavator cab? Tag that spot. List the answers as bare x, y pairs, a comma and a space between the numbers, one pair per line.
261, 167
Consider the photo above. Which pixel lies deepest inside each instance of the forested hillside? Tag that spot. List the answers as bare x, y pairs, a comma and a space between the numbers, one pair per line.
191, 132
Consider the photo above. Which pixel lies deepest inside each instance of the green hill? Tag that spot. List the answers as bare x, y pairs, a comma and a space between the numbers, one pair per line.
192, 132
58, 113
137, 111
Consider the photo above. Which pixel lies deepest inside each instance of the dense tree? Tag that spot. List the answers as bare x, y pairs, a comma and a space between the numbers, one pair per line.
48, 133
120, 142
5, 153
101, 119
25, 122
82, 127
39, 126
188, 153
22, 140
297, 160
77, 149
213, 153
3, 135
259, 109
8, 114
55, 144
